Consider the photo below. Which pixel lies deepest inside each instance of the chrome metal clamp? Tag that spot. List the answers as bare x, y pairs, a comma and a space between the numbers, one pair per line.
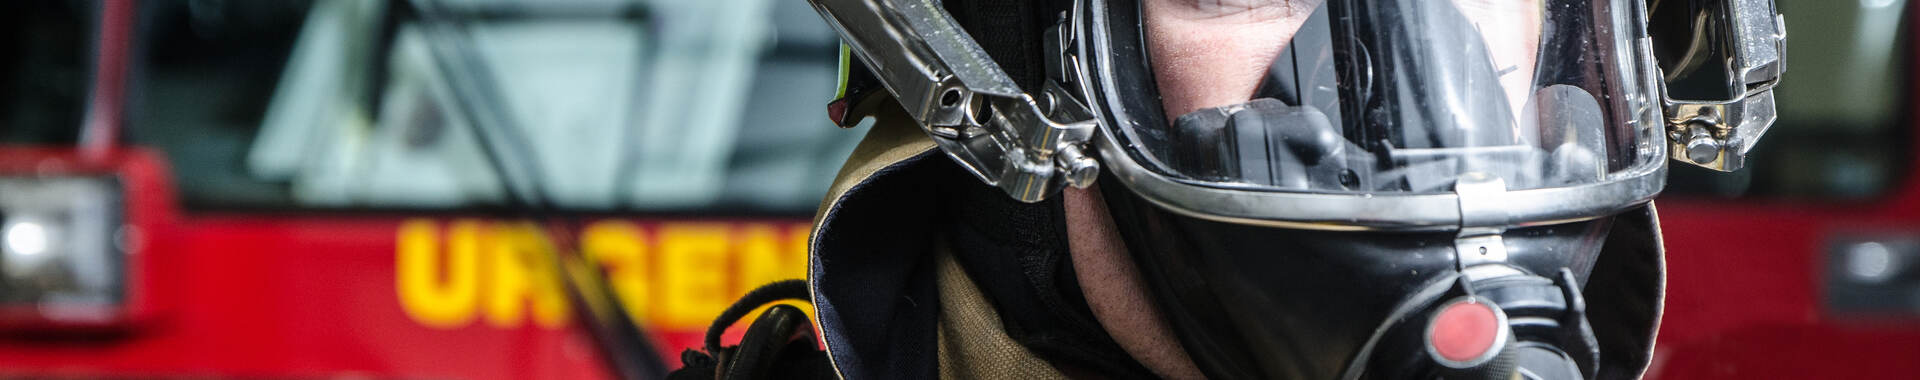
1027, 145
1482, 222
1718, 133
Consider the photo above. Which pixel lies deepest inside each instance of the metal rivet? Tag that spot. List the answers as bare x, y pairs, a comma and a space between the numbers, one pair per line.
1701, 147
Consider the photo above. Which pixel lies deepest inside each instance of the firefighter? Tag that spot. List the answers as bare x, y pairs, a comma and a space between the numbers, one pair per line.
1251, 189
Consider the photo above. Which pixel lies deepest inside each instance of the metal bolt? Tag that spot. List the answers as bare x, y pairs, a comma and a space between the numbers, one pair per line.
1080, 169
1702, 148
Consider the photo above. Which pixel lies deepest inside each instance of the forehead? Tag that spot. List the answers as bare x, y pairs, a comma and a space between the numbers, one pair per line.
1228, 10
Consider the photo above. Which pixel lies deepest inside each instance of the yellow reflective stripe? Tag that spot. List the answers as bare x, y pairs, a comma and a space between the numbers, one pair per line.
846, 68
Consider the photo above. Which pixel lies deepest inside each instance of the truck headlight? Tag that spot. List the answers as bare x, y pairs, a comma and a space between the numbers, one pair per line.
60, 259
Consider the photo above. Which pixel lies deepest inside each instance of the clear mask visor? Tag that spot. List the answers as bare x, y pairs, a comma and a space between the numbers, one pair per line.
1405, 96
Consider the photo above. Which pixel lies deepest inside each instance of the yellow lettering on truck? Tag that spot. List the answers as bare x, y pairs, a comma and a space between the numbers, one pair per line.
426, 296
671, 276
692, 256
619, 248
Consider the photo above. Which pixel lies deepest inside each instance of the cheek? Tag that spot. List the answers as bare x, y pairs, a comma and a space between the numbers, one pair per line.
1202, 63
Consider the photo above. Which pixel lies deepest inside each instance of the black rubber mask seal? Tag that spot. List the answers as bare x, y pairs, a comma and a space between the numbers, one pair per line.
1261, 302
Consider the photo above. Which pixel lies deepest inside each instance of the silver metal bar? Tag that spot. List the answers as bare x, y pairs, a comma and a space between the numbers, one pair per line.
1028, 145
919, 53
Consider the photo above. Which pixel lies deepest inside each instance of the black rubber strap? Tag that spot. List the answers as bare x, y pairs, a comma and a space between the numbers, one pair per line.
795, 289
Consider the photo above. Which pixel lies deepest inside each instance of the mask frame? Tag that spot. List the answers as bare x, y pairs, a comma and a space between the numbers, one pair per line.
1031, 145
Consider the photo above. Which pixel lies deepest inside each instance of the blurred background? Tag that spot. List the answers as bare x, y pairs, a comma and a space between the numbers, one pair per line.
686, 106
369, 188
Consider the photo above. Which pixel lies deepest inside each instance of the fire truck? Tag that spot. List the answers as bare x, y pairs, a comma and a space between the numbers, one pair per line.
527, 189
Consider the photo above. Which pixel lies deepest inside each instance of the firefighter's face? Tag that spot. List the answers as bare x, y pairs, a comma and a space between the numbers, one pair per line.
1206, 53
1212, 53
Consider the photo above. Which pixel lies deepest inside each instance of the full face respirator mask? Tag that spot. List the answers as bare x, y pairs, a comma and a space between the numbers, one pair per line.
1415, 188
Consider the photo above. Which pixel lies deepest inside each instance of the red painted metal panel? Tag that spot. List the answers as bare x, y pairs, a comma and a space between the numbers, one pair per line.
299, 296
316, 295
289, 295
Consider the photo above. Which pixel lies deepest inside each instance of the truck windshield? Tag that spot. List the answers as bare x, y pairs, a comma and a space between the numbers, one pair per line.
590, 105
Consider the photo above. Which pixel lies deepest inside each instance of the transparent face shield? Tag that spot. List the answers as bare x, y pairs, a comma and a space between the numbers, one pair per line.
1372, 116
1388, 98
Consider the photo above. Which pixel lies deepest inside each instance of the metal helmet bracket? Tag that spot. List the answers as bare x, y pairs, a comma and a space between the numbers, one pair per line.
1028, 145
1718, 133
